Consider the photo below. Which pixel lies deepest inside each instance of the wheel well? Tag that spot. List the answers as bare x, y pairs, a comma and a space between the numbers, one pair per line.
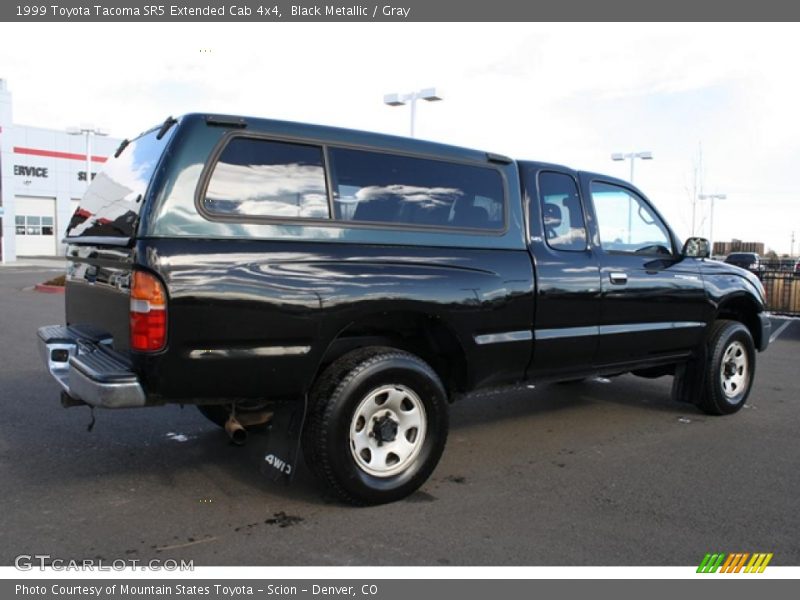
424, 335
744, 310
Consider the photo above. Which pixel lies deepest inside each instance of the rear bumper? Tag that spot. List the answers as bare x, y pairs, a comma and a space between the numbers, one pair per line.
88, 370
765, 327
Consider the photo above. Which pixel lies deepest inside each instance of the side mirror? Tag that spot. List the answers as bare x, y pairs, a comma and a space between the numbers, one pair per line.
697, 247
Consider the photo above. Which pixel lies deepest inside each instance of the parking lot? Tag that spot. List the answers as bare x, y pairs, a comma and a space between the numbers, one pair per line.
597, 473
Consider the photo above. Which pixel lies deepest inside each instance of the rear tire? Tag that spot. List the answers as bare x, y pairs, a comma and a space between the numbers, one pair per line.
730, 367
377, 425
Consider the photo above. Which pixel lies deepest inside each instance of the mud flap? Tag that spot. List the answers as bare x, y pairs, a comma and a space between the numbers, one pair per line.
690, 378
281, 449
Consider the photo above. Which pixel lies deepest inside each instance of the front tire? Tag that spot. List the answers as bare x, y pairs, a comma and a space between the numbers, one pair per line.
730, 368
377, 425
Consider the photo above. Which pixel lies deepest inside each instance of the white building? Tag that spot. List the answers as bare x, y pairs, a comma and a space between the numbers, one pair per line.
42, 176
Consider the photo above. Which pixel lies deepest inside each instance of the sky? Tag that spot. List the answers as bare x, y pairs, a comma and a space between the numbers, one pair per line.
718, 105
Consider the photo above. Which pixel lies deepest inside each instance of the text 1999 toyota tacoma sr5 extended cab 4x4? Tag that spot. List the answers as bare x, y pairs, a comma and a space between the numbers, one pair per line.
345, 286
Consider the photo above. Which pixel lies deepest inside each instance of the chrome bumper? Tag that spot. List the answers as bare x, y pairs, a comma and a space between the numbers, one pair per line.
88, 370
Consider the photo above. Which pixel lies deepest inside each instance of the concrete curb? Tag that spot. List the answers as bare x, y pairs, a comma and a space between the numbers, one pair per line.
49, 289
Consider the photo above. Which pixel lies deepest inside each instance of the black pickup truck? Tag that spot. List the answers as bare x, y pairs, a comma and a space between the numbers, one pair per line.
340, 288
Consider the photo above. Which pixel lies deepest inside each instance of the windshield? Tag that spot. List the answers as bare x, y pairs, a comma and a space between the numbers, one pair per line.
110, 207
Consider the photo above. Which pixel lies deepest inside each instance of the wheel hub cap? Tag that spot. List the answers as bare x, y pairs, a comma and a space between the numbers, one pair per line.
730, 368
734, 372
388, 430
384, 429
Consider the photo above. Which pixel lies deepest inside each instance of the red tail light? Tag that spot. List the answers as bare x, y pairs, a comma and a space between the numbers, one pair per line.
148, 313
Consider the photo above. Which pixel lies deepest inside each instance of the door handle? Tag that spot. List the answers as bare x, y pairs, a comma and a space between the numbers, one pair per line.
618, 278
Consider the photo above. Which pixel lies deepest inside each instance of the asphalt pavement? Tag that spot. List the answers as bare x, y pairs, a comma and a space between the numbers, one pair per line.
597, 473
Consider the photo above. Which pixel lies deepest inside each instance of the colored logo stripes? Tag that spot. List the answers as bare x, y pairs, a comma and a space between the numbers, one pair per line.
735, 562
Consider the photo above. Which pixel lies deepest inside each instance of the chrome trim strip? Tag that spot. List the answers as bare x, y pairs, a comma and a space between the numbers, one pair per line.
569, 332
208, 353
522, 335
687, 324
566, 332
642, 327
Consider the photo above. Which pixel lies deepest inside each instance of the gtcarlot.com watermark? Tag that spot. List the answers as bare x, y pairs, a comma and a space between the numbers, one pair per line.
42, 562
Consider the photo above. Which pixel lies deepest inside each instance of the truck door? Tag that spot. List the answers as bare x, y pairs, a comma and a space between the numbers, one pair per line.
567, 274
653, 301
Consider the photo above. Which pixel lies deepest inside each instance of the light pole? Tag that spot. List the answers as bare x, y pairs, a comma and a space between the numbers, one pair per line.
632, 156
428, 94
711, 197
88, 131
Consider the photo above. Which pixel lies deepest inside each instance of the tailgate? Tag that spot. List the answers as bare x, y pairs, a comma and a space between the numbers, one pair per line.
98, 291
101, 233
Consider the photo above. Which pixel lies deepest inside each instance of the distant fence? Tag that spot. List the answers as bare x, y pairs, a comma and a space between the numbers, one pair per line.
783, 291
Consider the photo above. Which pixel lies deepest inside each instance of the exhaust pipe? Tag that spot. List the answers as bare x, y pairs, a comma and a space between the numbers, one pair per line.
236, 431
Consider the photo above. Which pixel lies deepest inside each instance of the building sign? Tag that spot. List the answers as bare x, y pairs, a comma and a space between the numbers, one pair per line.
28, 171
82, 176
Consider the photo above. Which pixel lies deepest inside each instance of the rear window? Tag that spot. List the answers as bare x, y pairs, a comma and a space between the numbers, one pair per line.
110, 207
377, 187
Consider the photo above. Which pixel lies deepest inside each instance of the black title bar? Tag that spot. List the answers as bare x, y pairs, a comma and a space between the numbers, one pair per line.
399, 11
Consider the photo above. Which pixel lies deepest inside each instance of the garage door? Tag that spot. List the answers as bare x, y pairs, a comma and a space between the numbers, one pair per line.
35, 225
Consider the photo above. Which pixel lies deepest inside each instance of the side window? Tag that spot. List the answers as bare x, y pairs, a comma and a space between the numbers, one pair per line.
262, 178
562, 216
627, 223
34, 225
387, 188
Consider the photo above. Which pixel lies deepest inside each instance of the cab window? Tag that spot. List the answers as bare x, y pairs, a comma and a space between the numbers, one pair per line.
627, 223
562, 215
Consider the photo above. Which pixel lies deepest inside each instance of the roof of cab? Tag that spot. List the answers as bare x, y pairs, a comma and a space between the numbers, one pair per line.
592, 175
538, 164
356, 137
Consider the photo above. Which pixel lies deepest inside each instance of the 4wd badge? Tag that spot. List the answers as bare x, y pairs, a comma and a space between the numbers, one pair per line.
276, 463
